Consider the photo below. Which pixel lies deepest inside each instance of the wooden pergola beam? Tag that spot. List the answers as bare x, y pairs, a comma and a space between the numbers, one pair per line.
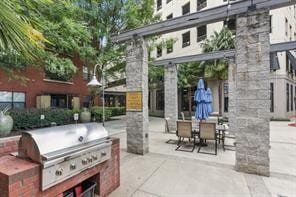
278, 47
203, 17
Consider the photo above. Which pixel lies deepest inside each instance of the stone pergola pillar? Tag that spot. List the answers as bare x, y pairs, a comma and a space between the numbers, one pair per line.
137, 123
232, 96
252, 92
171, 96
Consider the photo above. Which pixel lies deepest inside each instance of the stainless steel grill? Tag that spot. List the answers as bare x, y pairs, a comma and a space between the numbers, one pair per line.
65, 151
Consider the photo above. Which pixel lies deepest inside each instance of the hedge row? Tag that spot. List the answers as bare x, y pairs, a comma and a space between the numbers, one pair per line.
27, 119
109, 112
30, 118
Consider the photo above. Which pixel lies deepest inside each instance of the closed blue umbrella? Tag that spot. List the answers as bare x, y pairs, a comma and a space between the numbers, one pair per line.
209, 100
201, 112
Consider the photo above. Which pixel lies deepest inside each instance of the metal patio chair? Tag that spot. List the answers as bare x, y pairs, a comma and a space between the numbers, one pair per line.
207, 131
184, 131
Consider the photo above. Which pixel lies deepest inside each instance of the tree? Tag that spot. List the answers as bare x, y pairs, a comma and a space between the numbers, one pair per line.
188, 75
218, 69
19, 40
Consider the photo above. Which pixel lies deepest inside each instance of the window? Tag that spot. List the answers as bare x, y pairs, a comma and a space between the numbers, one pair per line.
86, 101
169, 16
231, 24
59, 101
271, 97
85, 73
292, 98
286, 26
13, 100
186, 39
170, 46
201, 33
288, 97
270, 23
159, 100
201, 4
186, 8
159, 51
226, 98
159, 4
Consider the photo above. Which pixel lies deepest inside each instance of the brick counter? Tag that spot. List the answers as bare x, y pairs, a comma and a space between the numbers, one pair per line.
22, 178
8, 145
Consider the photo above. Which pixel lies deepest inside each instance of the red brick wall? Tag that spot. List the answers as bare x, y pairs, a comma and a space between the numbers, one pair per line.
37, 86
8, 145
21, 178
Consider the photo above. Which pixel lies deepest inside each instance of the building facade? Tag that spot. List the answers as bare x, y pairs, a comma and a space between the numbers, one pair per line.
40, 91
189, 42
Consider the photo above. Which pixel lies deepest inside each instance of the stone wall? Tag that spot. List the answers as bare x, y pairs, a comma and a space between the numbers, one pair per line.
171, 96
252, 92
137, 124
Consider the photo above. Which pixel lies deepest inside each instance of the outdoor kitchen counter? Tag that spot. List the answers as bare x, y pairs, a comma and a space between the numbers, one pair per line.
19, 177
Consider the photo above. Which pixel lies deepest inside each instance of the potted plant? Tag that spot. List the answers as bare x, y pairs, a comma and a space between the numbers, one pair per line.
85, 115
6, 122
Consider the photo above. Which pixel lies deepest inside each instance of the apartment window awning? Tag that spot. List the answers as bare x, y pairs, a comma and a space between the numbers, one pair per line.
274, 61
292, 59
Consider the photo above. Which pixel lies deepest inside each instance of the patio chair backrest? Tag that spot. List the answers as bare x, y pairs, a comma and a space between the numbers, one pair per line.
184, 128
213, 119
183, 116
207, 130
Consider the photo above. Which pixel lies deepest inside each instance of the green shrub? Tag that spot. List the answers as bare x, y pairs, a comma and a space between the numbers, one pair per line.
117, 111
25, 119
30, 118
97, 112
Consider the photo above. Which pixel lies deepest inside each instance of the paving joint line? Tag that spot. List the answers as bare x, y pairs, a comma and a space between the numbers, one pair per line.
149, 177
200, 161
256, 186
140, 190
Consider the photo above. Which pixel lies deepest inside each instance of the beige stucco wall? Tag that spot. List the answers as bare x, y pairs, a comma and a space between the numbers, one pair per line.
279, 78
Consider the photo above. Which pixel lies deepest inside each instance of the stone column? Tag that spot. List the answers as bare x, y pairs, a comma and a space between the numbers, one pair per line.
232, 96
171, 96
252, 92
137, 123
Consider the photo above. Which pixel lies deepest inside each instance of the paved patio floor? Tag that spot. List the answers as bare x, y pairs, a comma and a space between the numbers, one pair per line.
166, 172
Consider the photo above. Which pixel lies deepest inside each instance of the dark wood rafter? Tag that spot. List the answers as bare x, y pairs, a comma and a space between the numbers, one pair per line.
199, 18
278, 47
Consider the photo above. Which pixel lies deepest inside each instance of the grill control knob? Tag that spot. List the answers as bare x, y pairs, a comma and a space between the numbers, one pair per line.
72, 166
84, 161
95, 157
103, 153
59, 172
89, 159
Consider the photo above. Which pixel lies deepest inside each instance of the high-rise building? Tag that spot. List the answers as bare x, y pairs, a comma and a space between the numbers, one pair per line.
189, 42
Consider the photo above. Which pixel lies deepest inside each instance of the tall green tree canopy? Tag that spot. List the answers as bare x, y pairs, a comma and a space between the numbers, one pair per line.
19, 40
223, 40
76, 28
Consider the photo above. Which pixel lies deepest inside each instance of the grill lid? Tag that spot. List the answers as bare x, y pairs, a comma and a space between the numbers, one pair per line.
53, 140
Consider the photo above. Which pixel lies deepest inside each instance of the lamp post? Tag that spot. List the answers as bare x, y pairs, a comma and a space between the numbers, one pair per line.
94, 83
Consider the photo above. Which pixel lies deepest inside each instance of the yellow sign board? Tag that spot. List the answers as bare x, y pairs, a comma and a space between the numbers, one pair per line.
134, 101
